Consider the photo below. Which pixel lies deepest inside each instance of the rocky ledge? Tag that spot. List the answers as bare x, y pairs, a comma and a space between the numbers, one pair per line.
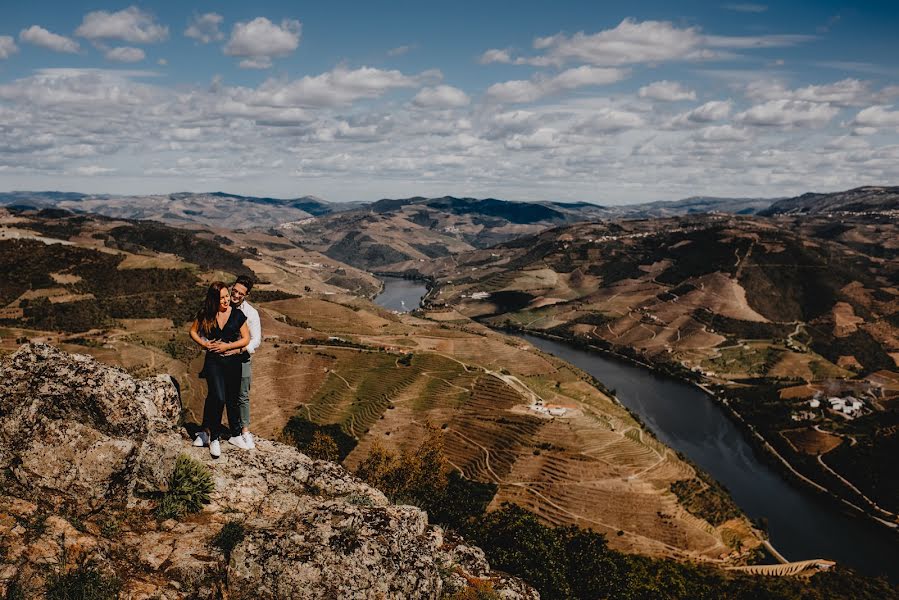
87, 451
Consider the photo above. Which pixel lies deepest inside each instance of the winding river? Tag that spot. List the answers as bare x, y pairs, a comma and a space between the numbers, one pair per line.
801, 524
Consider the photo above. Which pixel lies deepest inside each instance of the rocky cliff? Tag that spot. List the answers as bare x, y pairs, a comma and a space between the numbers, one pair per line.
87, 452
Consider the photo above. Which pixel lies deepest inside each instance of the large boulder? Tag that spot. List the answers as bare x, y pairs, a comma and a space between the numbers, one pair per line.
72, 431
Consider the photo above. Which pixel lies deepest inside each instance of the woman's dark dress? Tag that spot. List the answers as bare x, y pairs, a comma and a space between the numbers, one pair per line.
222, 374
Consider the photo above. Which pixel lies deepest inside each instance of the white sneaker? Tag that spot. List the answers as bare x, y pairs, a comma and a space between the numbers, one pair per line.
201, 440
215, 449
248, 440
237, 440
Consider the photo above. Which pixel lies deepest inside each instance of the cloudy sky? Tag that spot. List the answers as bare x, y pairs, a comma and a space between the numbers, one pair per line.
596, 101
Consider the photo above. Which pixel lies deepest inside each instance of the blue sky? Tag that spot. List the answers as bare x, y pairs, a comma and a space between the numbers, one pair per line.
596, 101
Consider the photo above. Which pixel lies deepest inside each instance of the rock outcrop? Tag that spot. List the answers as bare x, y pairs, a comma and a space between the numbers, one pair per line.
86, 450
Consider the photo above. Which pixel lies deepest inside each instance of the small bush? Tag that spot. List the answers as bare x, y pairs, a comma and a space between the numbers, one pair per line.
417, 476
189, 488
85, 582
359, 500
322, 447
229, 536
478, 589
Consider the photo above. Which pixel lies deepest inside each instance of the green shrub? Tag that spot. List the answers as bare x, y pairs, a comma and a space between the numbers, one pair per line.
190, 485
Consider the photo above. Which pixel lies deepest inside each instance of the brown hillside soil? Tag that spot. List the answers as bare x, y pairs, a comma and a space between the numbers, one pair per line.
812, 441
768, 303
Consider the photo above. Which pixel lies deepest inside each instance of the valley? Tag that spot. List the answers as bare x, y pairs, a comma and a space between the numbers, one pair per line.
769, 314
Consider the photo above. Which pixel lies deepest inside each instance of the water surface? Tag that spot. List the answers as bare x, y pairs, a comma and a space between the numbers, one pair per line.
801, 524
401, 295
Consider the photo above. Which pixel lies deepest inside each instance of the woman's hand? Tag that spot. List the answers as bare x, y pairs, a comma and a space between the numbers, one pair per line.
218, 346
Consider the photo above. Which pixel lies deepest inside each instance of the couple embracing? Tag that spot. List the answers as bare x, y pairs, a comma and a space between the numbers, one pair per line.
228, 328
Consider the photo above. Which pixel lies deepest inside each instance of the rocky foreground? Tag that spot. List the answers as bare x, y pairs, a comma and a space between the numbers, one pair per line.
86, 453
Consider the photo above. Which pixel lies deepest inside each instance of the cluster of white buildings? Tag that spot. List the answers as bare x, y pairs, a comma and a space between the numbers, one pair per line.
848, 406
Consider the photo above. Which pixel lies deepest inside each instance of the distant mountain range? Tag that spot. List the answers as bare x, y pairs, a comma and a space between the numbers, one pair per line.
216, 209
857, 200
388, 234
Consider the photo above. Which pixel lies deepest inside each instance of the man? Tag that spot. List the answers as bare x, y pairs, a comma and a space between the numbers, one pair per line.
239, 415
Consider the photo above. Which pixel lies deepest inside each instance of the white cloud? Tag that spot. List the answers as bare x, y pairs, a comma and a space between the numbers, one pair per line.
788, 113
722, 133
609, 120
259, 41
877, 116
714, 110
711, 111
441, 96
632, 42
519, 91
495, 55
92, 170
205, 28
336, 87
126, 54
39, 36
542, 139
7, 46
846, 92
129, 25
667, 91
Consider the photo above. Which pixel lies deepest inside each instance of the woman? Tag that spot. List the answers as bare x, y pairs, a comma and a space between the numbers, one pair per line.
219, 328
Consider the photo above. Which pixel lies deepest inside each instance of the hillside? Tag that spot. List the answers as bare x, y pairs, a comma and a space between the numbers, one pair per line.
773, 313
380, 235
333, 358
868, 199
396, 236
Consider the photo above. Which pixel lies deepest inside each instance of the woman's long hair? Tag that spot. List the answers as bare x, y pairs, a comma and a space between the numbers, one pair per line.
206, 315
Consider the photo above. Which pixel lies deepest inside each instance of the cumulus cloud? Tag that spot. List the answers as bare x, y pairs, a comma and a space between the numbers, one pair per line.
722, 133
667, 91
846, 92
7, 46
129, 25
610, 120
632, 42
39, 36
205, 28
714, 110
788, 113
519, 91
336, 87
495, 55
126, 54
541, 139
441, 96
877, 116
259, 41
